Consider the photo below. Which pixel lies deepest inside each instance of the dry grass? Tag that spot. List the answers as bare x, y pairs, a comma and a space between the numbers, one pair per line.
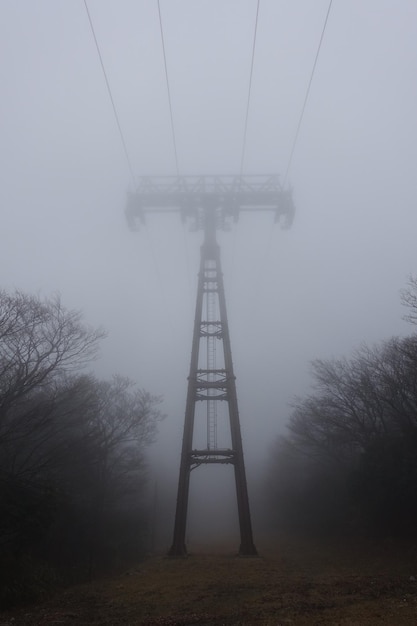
292, 583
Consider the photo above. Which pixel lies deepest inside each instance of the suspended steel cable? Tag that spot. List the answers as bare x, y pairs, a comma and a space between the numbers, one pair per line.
245, 130
267, 249
249, 90
174, 140
168, 90
129, 163
307, 94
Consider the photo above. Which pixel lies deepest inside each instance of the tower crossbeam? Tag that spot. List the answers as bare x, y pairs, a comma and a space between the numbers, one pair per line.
188, 195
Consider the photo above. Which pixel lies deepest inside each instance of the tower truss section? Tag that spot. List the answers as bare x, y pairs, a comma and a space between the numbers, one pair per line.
211, 202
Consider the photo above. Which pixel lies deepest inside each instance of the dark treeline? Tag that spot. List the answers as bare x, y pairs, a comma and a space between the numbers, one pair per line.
71, 452
348, 463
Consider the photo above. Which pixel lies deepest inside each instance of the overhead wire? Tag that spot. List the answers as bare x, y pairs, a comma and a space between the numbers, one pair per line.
174, 140
300, 120
294, 143
245, 131
129, 162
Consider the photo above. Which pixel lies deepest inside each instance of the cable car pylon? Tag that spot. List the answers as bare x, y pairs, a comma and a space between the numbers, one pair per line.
211, 202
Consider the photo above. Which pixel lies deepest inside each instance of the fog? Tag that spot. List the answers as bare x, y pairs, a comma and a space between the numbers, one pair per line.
317, 290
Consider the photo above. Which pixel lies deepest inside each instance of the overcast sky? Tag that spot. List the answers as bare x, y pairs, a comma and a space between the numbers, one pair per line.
316, 291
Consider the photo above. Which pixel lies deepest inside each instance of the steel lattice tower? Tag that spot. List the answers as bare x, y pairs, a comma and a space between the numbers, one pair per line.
211, 201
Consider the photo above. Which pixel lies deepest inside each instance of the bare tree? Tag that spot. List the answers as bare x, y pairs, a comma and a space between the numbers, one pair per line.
356, 434
122, 421
409, 299
72, 464
40, 340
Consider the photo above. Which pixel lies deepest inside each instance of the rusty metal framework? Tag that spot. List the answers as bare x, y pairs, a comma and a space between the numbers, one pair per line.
211, 202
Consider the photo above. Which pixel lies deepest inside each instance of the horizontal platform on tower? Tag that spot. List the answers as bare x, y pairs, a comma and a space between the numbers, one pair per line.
221, 373
220, 456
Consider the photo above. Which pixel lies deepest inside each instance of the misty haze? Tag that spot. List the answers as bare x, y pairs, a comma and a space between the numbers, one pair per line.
208, 309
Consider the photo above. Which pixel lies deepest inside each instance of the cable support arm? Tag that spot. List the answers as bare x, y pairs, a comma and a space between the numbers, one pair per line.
227, 195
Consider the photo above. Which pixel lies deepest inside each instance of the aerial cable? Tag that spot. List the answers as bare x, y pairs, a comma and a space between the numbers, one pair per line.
249, 90
269, 242
307, 94
129, 163
174, 140
245, 131
168, 90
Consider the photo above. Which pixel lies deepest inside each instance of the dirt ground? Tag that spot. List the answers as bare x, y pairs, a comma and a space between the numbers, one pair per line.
297, 583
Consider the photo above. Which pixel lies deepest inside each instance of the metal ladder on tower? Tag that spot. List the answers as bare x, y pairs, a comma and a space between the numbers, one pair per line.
211, 313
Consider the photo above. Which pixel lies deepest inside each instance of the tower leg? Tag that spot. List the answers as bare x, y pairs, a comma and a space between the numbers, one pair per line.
202, 384
178, 547
247, 546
